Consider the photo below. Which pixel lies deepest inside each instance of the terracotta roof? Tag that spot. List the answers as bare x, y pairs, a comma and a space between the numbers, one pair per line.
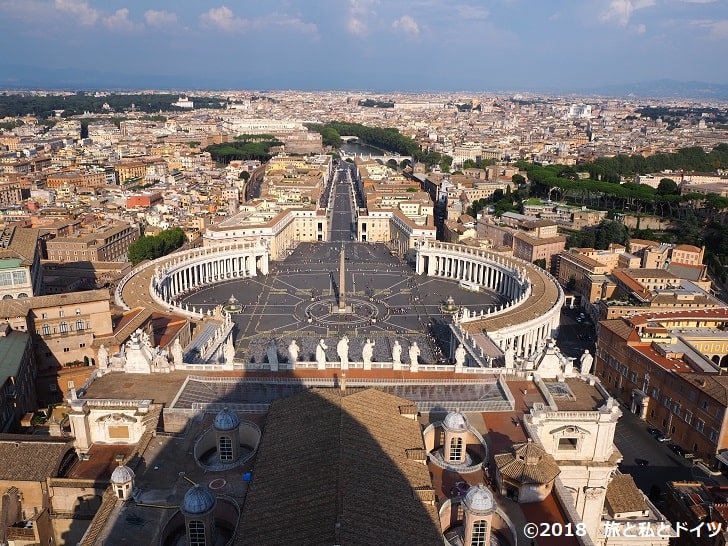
31, 458
328, 458
715, 386
23, 244
544, 294
527, 463
20, 307
619, 327
623, 495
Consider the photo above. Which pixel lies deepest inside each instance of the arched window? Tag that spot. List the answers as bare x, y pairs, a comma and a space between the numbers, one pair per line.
7, 297
480, 533
46, 329
79, 325
22, 295
63, 326
196, 532
225, 448
456, 449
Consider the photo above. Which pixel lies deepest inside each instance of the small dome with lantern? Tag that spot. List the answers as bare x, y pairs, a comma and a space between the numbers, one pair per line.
455, 420
122, 474
198, 500
479, 499
226, 420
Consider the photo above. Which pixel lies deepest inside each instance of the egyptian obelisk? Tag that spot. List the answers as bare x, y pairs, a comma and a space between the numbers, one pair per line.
342, 281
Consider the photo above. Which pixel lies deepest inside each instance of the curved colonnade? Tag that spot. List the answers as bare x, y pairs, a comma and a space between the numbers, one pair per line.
530, 315
188, 270
533, 311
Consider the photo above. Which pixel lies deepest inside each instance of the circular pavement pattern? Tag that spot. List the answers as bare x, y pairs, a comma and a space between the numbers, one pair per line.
388, 300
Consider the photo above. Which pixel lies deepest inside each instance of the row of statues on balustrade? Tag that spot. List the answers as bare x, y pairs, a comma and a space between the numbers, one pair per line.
342, 351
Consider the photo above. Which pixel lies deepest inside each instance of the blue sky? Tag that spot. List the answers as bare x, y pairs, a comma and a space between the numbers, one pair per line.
374, 44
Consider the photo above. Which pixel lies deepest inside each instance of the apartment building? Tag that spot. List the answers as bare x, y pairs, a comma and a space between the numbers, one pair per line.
20, 270
78, 179
106, 244
532, 249
659, 256
17, 377
145, 199
130, 169
10, 194
63, 326
654, 364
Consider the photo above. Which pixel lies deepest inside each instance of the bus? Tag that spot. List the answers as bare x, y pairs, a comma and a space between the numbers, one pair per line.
472, 286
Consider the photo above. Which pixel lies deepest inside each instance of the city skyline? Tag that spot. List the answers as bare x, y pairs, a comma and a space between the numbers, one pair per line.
364, 44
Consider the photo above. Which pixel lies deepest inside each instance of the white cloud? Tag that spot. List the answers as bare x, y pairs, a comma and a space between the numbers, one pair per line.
356, 26
87, 15
359, 13
289, 22
621, 11
717, 29
162, 18
362, 7
224, 19
555, 16
639, 29
466, 11
120, 21
407, 25
699, 1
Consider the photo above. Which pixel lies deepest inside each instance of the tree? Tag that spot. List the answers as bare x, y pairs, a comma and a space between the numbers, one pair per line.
609, 231
541, 262
244, 175
150, 247
667, 186
518, 179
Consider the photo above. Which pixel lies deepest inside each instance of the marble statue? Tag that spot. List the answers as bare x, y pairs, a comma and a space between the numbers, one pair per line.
342, 349
586, 362
272, 353
102, 358
321, 354
414, 354
177, 356
293, 352
509, 354
367, 352
229, 350
396, 352
460, 356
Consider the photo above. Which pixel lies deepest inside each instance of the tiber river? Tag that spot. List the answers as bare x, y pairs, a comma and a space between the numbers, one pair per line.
357, 148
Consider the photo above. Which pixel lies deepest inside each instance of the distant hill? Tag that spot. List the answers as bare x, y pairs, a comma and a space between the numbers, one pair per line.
14, 76
665, 88
29, 77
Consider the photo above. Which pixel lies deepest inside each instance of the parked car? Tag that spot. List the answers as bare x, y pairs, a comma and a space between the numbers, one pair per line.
677, 449
663, 438
642, 462
653, 431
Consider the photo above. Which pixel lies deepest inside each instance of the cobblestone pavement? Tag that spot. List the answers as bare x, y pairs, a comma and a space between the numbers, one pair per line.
298, 300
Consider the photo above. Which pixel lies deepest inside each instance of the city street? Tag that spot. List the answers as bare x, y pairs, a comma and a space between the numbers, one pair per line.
662, 466
299, 297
